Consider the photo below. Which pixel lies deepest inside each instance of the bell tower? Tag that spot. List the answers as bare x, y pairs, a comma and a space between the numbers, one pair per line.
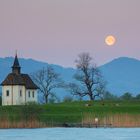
16, 67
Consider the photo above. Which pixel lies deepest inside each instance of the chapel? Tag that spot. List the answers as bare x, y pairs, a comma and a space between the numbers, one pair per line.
18, 88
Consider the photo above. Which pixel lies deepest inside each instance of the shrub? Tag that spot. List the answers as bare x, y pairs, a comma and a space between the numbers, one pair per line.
127, 96
137, 97
68, 99
109, 96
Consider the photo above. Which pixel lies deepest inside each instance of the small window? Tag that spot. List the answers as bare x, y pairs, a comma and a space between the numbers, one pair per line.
20, 93
7, 92
29, 94
33, 94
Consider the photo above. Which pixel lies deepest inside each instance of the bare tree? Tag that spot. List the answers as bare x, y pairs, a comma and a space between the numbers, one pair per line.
89, 79
47, 80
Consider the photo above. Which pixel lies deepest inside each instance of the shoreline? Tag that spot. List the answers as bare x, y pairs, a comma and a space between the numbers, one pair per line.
66, 125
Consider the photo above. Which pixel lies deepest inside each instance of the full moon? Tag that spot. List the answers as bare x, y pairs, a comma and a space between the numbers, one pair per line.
110, 40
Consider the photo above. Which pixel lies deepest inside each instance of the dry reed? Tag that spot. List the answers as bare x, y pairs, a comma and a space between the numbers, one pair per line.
112, 120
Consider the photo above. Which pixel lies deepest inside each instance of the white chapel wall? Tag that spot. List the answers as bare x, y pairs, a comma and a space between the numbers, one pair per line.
6, 100
15, 92
29, 95
18, 98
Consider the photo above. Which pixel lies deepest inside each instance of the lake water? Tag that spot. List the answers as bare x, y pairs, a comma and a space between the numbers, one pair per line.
71, 134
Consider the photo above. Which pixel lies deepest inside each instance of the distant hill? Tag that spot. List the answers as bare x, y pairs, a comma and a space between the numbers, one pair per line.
122, 74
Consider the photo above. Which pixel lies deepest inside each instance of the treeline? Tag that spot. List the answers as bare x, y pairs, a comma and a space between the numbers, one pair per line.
107, 96
126, 96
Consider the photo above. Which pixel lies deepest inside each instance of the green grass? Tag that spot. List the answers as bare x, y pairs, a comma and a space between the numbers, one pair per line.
71, 112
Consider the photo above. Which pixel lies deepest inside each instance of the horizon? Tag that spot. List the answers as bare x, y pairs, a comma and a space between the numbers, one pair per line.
41, 61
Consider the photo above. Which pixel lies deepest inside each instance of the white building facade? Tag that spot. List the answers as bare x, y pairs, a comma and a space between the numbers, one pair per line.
18, 88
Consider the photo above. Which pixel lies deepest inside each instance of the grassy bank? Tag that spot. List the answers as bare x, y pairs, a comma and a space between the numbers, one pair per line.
116, 114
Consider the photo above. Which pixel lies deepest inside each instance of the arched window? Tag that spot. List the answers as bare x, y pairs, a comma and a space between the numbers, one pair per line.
33, 94
29, 94
7, 92
20, 93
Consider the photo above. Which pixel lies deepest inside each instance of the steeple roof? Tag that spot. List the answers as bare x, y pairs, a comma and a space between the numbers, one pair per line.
16, 62
16, 67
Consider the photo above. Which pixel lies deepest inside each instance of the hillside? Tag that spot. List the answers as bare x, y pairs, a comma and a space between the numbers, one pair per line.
122, 74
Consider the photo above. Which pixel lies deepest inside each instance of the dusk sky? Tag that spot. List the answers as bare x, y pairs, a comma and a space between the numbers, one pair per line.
56, 31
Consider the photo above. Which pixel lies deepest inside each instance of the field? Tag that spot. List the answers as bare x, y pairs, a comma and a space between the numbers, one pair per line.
114, 113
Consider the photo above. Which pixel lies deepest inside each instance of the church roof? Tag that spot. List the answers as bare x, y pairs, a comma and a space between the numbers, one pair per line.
19, 79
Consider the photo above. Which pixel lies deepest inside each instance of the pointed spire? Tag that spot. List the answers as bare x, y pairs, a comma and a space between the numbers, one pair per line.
16, 67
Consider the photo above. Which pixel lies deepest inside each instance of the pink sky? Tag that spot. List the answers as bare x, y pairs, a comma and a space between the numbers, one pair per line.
56, 31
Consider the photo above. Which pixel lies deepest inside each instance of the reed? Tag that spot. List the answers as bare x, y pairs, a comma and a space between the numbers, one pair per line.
112, 120
7, 123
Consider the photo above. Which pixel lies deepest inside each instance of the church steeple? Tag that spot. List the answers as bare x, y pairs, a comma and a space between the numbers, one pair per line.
16, 67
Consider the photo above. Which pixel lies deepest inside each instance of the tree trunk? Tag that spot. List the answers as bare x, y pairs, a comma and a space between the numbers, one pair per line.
91, 97
46, 99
